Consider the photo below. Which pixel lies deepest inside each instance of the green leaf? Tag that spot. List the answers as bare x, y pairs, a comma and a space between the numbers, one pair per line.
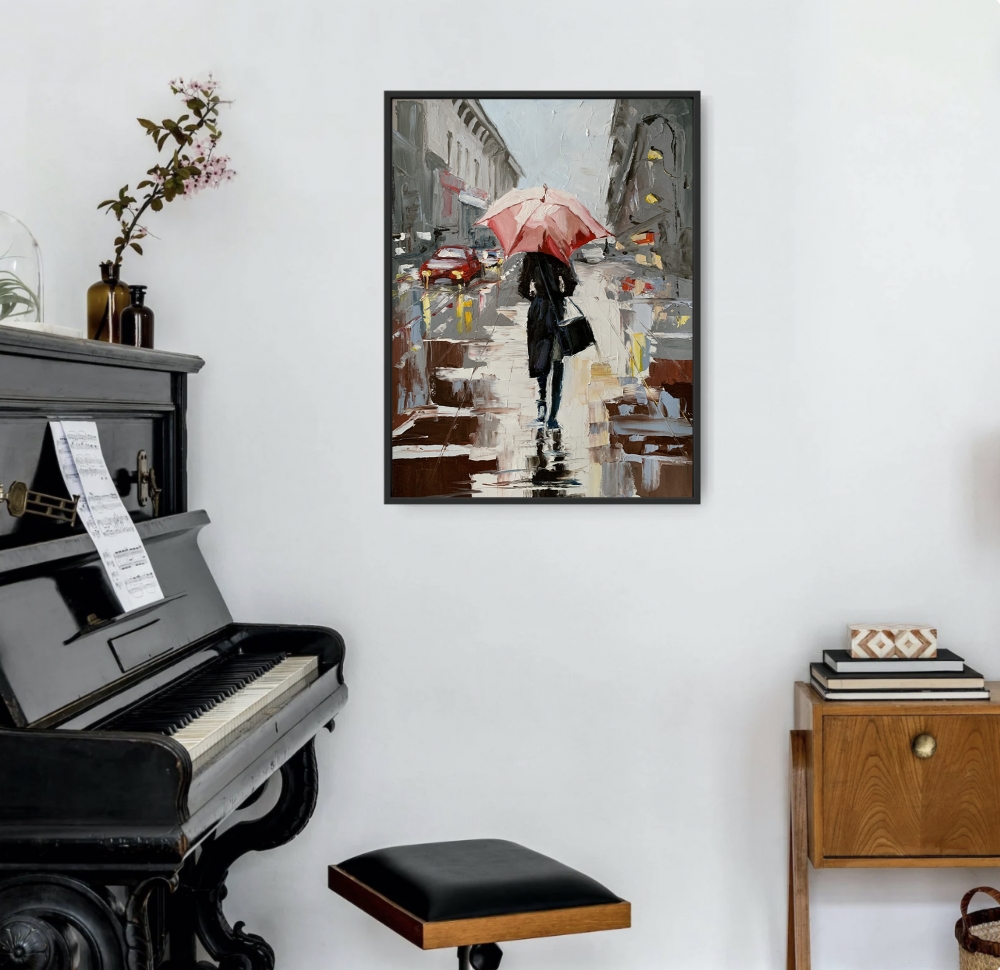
147, 124
143, 184
136, 247
14, 293
106, 202
156, 205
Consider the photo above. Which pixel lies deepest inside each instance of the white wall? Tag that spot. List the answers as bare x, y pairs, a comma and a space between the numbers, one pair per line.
624, 704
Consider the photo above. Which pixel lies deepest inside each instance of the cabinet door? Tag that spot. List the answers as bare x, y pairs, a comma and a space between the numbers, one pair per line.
880, 800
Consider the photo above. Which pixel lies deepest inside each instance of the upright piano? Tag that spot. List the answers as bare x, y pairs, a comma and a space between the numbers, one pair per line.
127, 739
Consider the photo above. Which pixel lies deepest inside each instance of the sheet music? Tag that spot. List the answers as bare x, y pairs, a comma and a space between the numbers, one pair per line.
81, 461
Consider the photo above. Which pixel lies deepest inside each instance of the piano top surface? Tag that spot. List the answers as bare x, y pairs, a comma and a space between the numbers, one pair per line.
17, 341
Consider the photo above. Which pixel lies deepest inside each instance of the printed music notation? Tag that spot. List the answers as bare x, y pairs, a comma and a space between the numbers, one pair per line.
110, 514
78, 450
144, 587
89, 464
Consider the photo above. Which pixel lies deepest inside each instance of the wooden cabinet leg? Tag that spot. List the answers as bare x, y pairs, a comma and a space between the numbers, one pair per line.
798, 859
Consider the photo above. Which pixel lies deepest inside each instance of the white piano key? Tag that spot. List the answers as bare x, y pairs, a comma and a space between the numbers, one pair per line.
216, 725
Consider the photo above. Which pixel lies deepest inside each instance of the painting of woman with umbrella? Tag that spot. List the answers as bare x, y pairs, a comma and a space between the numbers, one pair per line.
542, 297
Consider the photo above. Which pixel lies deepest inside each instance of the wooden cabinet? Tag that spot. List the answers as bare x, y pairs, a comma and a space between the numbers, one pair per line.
867, 793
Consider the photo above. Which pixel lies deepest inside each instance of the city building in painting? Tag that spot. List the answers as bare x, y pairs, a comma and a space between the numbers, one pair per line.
449, 162
650, 188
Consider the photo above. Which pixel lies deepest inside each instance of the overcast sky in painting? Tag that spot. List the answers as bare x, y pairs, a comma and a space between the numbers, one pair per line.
561, 143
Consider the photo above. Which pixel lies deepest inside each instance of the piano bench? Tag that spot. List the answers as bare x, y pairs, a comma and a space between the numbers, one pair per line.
474, 893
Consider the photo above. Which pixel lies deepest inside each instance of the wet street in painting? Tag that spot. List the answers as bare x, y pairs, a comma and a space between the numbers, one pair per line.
464, 405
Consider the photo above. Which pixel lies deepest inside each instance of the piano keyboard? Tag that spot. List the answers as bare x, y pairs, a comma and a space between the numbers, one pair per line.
205, 709
217, 724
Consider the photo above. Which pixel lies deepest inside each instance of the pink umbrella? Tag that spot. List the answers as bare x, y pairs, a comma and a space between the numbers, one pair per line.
542, 220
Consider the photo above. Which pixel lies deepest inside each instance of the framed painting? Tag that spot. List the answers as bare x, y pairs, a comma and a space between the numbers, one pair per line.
542, 297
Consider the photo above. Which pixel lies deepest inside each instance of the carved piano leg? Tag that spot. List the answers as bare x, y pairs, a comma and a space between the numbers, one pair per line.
205, 884
57, 923
138, 941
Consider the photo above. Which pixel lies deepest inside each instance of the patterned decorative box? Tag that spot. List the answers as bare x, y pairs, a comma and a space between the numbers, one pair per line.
886, 640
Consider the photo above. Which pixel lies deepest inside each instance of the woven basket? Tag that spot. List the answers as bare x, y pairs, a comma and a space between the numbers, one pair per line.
978, 934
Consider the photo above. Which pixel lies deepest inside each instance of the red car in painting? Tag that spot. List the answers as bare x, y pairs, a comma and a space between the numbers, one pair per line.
457, 264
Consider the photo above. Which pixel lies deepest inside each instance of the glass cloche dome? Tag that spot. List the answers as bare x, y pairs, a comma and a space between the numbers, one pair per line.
21, 297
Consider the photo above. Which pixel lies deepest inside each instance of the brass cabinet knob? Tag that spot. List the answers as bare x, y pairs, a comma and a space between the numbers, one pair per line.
924, 745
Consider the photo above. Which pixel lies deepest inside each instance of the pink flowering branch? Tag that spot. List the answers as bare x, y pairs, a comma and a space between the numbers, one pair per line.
194, 165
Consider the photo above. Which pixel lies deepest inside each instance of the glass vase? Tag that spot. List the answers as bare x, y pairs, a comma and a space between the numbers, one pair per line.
105, 301
21, 284
137, 320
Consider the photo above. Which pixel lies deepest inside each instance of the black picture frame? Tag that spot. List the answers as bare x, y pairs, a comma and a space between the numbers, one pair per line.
696, 324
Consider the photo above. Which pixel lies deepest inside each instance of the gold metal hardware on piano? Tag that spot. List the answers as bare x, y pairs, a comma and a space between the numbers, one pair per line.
21, 500
145, 477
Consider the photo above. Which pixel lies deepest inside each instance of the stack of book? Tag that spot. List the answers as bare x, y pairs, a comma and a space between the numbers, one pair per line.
943, 677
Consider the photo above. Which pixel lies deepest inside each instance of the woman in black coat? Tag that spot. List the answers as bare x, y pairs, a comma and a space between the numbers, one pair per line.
546, 281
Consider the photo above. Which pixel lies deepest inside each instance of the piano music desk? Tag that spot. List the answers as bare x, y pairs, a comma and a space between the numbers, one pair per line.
865, 795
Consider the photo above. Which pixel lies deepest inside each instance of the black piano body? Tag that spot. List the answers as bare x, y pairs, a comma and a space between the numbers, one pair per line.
108, 844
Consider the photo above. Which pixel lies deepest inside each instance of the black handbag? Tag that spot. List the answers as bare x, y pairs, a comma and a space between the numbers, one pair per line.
573, 333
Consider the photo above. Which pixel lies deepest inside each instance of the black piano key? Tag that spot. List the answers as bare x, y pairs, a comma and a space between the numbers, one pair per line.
177, 706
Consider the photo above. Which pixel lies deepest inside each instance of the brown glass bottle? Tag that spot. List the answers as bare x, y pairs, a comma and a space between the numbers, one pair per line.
105, 302
137, 320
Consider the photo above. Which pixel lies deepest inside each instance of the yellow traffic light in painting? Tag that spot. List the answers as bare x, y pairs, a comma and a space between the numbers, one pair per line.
652, 199
653, 155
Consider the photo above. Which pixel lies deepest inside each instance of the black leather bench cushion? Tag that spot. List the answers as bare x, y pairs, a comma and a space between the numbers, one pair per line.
472, 878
